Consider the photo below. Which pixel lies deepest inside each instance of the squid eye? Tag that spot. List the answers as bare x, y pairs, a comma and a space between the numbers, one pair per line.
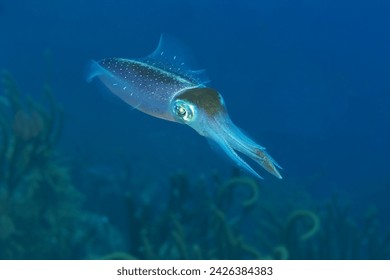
183, 111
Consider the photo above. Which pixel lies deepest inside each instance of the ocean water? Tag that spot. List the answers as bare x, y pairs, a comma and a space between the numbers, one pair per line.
309, 80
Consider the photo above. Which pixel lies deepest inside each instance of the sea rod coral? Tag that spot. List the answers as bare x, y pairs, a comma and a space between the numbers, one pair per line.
40, 213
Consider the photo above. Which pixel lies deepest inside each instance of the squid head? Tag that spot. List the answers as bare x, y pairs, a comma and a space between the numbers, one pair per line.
204, 110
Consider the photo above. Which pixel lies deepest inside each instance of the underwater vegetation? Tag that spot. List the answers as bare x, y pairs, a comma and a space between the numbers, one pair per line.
36, 195
40, 214
327, 231
230, 219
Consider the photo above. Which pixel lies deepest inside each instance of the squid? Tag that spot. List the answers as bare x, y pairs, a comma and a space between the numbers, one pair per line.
164, 85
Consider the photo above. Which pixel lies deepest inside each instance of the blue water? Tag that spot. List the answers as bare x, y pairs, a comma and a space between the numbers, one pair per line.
308, 79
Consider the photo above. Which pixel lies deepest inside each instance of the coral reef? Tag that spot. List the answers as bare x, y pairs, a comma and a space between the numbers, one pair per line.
194, 222
326, 232
40, 215
37, 198
232, 220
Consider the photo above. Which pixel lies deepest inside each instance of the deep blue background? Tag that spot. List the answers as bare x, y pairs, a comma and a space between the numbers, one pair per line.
308, 79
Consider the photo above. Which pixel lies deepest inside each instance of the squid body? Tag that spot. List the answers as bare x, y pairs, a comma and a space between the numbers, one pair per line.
164, 85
